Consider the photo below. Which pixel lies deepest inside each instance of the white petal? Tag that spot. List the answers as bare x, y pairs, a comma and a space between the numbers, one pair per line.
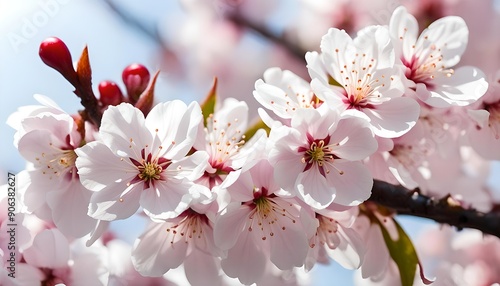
450, 34
356, 139
166, 200
118, 201
337, 49
353, 186
123, 130
230, 224
403, 28
315, 67
349, 253
375, 41
153, 254
393, 118
190, 168
69, 210
462, 88
98, 167
173, 121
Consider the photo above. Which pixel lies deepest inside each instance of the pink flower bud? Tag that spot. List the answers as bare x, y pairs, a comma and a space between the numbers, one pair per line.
136, 78
110, 93
54, 53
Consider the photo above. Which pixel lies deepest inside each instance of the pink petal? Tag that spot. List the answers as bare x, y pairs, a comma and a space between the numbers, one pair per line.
49, 249
349, 253
246, 260
230, 225
69, 210
153, 254
202, 269
357, 140
353, 186
376, 257
314, 189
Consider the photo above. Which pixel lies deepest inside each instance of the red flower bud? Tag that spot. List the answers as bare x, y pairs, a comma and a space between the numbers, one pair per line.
56, 55
136, 78
110, 93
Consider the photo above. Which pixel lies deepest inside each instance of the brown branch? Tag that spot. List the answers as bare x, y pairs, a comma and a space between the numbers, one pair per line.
444, 210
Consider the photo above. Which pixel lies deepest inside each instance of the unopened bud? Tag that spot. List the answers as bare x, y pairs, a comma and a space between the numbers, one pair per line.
110, 93
56, 55
136, 78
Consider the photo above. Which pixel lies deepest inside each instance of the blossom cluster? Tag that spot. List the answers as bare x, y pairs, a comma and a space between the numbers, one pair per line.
230, 201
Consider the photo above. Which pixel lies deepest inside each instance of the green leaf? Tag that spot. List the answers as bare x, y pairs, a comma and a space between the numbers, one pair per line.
402, 252
208, 106
253, 129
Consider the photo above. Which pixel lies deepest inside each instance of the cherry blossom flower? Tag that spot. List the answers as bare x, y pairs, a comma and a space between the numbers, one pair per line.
334, 238
54, 191
186, 239
141, 162
359, 76
259, 226
428, 60
318, 157
283, 92
224, 140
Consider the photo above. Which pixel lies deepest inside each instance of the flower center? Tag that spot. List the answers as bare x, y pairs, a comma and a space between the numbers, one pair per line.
318, 154
268, 214
224, 141
67, 159
150, 171
426, 66
190, 226
60, 162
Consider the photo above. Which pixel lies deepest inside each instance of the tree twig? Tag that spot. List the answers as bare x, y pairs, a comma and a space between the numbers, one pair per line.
444, 210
